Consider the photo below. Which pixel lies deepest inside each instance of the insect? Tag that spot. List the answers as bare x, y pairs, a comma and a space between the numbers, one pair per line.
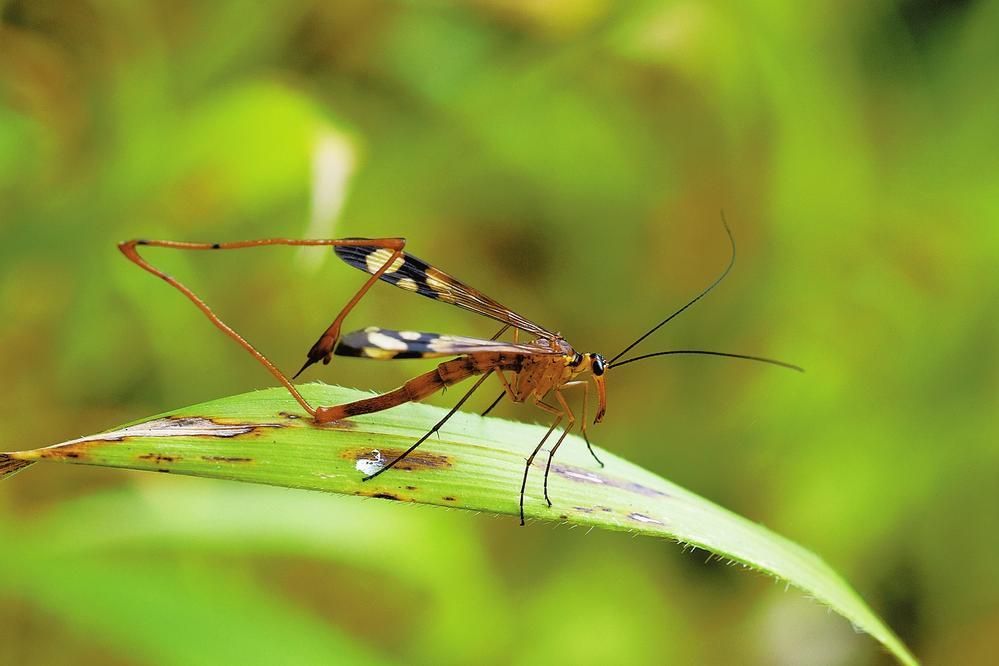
539, 371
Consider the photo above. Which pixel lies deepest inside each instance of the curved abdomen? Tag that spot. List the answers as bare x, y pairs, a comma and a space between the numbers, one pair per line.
420, 387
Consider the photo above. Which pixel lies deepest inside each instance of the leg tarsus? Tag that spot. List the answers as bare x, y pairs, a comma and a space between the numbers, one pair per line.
527, 467
590, 448
322, 350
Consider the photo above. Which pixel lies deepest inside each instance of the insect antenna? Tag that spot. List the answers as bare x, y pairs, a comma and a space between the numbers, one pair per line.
704, 352
731, 262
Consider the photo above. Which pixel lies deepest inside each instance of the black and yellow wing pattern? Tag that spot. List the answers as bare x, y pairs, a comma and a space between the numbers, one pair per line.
384, 344
415, 275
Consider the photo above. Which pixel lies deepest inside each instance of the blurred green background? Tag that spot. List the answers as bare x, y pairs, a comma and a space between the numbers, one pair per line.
571, 159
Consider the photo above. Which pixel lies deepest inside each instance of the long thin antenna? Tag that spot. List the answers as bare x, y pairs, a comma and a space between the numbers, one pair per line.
703, 352
701, 295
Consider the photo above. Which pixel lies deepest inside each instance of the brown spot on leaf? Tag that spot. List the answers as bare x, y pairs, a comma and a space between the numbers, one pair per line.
226, 459
383, 494
67, 452
414, 461
583, 509
159, 458
410, 487
449, 498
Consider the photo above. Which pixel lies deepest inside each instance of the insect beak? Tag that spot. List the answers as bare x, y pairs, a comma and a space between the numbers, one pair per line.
602, 397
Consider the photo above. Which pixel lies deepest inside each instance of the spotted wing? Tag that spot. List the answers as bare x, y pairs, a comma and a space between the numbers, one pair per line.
413, 274
381, 343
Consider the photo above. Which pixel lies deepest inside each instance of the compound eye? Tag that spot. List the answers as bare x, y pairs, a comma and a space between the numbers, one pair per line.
598, 365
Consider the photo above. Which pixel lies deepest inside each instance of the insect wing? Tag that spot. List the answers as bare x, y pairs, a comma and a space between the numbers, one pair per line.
415, 275
380, 343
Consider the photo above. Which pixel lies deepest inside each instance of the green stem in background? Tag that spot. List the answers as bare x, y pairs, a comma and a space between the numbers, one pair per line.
476, 464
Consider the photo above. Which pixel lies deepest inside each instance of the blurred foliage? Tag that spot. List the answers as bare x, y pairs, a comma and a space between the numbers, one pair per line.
571, 159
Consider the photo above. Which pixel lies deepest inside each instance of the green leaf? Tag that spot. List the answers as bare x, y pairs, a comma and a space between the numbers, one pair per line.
476, 464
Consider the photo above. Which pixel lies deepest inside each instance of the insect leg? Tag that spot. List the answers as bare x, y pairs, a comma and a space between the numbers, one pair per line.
527, 467
437, 427
131, 252
500, 397
323, 348
582, 421
507, 391
551, 454
507, 388
501, 332
494, 403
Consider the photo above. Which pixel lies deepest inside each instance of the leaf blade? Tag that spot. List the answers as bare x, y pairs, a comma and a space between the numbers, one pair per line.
476, 464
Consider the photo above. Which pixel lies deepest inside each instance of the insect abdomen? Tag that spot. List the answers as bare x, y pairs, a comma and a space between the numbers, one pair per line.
415, 389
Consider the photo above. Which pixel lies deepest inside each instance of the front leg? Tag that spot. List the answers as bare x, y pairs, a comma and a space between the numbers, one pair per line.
572, 420
523, 486
586, 395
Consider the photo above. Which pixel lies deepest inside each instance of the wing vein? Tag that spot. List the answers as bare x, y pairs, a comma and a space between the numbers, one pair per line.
413, 274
